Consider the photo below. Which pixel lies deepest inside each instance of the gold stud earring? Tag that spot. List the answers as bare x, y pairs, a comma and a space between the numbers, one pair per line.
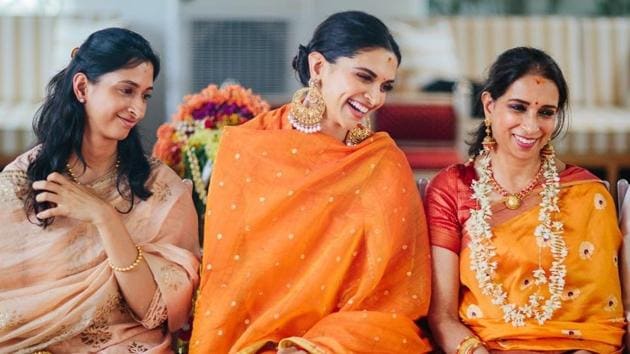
307, 108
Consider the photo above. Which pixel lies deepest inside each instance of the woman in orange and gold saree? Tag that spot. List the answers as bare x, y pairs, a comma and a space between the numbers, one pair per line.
98, 244
315, 238
524, 246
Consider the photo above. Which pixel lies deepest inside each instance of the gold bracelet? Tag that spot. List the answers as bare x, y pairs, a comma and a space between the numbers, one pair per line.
130, 267
468, 345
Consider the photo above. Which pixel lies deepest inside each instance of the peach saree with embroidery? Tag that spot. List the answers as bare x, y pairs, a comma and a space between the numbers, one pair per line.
311, 243
591, 316
57, 291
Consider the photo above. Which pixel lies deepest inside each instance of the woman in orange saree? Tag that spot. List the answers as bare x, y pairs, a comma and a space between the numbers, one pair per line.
526, 245
313, 245
98, 245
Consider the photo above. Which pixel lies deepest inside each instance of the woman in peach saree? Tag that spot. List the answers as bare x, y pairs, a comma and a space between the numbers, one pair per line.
525, 248
315, 238
98, 245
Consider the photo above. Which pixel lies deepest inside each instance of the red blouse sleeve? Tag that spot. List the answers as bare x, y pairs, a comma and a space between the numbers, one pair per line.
441, 210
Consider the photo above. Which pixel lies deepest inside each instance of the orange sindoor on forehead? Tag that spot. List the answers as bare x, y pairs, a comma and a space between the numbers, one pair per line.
538, 81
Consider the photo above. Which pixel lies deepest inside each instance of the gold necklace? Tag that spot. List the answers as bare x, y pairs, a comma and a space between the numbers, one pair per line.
75, 179
513, 201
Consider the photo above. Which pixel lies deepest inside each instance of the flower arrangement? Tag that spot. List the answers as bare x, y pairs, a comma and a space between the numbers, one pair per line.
189, 143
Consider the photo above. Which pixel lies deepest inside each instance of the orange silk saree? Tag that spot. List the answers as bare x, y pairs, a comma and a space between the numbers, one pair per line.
591, 316
311, 243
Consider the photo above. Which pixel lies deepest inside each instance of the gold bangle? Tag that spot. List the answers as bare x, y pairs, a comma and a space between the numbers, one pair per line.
130, 267
468, 345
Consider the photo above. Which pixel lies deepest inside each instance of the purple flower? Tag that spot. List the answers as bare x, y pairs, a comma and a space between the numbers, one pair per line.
230, 109
245, 113
199, 113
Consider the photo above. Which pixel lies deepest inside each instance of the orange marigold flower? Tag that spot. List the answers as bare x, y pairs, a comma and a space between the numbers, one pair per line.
165, 131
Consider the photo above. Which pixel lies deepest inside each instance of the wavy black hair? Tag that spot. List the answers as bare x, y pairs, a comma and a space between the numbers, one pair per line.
345, 34
510, 66
60, 121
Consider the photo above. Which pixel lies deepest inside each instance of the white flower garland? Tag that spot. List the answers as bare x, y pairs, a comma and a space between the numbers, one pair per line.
195, 171
548, 234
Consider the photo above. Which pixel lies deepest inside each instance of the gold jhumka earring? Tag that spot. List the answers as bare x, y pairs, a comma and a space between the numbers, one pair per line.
359, 133
307, 108
547, 150
488, 141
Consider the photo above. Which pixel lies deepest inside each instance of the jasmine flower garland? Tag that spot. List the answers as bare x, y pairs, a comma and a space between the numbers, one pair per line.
548, 234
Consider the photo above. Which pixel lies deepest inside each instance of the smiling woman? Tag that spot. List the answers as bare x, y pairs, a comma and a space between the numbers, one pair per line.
526, 246
98, 245
315, 237
114, 103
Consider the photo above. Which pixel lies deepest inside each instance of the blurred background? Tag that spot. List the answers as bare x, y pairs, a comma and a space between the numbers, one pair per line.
446, 45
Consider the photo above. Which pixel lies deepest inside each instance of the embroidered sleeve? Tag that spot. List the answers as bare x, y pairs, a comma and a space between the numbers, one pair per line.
12, 185
156, 314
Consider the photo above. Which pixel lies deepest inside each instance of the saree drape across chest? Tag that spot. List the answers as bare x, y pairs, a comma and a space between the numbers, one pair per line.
311, 242
57, 291
591, 316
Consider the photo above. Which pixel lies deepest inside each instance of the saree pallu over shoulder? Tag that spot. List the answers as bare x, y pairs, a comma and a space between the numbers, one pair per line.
591, 315
311, 243
57, 291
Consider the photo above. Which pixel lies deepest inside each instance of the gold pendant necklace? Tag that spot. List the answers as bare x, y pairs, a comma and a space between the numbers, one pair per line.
513, 201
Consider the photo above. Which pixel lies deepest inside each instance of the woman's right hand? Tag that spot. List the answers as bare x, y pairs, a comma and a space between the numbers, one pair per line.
71, 200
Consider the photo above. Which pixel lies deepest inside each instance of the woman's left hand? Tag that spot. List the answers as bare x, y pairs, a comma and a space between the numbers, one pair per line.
70, 200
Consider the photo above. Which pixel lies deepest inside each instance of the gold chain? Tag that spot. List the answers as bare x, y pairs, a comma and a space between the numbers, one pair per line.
513, 200
74, 177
